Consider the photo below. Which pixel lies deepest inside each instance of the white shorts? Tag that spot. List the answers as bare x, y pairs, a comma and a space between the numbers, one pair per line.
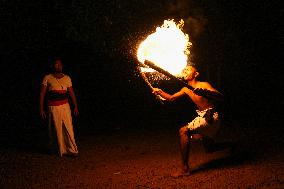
206, 123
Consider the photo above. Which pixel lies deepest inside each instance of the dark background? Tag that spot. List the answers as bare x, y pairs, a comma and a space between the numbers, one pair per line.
235, 43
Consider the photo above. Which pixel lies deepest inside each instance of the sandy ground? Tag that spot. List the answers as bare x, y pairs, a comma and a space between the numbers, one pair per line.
145, 159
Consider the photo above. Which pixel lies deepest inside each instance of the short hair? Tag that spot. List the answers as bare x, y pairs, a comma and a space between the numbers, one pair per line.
53, 59
192, 61
193, 64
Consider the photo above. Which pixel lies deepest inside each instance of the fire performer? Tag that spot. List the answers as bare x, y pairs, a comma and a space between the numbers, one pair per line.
58, 86
206, 123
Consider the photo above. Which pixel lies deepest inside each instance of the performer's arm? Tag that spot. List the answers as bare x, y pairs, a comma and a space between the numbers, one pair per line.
74, 100
208, 91
41, 101
168, 96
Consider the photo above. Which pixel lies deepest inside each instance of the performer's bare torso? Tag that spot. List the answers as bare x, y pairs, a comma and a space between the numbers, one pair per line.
202, 103
190, 75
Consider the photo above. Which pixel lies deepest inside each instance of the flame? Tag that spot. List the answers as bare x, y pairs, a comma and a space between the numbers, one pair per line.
168, 47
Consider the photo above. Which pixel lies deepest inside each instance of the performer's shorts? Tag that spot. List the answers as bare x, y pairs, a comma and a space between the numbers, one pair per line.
206, 123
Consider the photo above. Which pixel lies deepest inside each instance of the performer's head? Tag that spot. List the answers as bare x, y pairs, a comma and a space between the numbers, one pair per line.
56, 65
190, 73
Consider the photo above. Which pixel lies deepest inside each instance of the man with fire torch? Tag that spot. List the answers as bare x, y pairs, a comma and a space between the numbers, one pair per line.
207, 122
57, 86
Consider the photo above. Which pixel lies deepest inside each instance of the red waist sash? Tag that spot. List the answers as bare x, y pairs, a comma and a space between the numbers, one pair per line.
57, 97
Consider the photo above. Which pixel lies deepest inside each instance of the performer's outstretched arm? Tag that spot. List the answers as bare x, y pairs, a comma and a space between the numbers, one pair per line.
168, 96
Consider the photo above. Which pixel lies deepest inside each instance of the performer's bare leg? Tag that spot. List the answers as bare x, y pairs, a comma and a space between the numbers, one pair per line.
184, 147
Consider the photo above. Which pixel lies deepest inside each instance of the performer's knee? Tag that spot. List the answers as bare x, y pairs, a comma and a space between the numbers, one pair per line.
183, 131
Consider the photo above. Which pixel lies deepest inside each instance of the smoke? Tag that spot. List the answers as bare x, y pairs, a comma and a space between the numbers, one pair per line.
192, 14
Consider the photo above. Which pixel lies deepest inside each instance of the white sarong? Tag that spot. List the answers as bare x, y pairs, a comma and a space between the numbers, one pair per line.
60, 117
206, 123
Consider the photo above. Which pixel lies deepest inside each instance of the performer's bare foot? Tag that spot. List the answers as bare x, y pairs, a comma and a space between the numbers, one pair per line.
181, 173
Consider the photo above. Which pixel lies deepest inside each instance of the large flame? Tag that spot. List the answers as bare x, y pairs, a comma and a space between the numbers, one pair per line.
168, 47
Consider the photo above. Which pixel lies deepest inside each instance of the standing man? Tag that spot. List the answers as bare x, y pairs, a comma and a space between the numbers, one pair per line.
56, 87
207, 121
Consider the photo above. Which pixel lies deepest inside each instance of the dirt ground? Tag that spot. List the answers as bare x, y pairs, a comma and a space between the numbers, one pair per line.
145, 159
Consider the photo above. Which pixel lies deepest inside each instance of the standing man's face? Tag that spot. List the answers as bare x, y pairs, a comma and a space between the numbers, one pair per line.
58, 66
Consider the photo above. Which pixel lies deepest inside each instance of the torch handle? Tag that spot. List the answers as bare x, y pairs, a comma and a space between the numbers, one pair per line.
150, 85
146, 80
158, 69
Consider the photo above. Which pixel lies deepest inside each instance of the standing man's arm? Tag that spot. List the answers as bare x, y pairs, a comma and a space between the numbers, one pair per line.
41, 101
74, 100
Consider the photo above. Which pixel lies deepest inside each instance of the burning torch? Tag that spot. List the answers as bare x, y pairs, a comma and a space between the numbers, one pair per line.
166, 51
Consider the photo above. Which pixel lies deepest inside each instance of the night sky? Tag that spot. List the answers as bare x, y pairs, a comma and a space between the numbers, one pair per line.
235, 43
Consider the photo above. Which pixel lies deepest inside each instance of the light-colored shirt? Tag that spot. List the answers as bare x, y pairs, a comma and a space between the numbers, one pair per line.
55, 84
